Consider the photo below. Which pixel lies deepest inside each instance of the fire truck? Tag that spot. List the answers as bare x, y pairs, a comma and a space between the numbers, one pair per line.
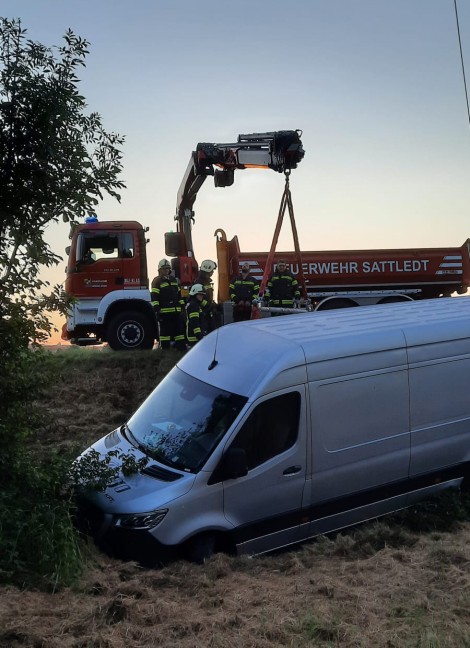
107, 276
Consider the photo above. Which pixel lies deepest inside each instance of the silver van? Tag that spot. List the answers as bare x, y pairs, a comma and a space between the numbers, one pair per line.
273, 431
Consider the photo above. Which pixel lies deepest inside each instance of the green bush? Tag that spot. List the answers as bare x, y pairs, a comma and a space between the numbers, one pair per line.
38, 543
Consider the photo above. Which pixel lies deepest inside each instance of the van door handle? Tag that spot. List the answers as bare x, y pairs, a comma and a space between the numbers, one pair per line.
292, 470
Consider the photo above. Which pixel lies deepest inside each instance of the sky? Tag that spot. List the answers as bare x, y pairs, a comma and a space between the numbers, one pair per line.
376, 87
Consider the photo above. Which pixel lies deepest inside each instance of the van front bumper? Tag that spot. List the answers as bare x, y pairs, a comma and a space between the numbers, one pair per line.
123, 543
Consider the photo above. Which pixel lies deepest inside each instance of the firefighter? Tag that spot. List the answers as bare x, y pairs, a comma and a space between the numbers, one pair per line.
194, 308
168, 305
282, 288
243, 291
210, 317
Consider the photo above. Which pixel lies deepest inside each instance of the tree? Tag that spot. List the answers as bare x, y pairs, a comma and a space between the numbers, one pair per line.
55, 161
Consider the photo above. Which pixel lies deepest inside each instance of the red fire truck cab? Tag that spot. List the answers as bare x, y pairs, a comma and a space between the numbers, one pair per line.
109, 285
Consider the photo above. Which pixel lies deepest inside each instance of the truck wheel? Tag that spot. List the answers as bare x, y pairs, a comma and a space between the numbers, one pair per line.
332, 304
130, 331
394, 300
200, 548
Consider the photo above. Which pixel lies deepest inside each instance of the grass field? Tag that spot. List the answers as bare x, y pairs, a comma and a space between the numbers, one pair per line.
403, 581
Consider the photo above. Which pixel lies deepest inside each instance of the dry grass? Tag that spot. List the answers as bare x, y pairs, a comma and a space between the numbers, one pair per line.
393, 583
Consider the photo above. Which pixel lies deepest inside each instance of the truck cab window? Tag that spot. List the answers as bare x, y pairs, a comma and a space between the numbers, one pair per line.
91, 247
270, 429
127, 245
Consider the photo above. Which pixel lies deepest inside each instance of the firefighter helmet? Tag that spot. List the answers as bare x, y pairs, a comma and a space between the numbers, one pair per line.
208, 266
164, 263
197, 289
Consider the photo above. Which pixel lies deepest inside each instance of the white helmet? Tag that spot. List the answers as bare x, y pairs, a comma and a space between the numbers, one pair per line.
164, 263
197, 289
208, 266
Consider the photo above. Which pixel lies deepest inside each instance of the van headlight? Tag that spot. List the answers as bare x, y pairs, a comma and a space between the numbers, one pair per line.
141, 520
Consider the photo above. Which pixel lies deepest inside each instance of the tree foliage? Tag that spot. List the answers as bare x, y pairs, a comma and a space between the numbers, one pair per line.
56, 161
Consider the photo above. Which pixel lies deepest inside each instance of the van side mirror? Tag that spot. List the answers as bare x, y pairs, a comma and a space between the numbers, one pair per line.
234, 463
67, 250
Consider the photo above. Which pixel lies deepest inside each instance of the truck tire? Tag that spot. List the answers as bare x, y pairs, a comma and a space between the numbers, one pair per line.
395, 300
332, 304
130, 331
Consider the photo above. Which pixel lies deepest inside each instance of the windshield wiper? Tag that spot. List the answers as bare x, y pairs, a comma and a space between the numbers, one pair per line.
152, 452
132, 439
126, 431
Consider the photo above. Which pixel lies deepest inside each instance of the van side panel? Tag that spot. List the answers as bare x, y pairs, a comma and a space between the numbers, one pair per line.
440, 405
360, 429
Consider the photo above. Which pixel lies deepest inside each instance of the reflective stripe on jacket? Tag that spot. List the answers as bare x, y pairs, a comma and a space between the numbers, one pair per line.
193, 322
282, 289
245, 289
166, 295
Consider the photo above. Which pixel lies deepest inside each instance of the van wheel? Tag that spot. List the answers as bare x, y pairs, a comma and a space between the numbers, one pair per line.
130, 331
200, 548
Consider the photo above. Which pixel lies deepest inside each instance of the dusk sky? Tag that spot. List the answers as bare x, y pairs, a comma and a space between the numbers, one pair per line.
375, 85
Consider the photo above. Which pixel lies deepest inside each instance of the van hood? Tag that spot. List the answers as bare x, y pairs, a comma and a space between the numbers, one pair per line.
148, 490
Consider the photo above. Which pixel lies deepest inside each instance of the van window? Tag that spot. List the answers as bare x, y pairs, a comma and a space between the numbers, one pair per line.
270, 429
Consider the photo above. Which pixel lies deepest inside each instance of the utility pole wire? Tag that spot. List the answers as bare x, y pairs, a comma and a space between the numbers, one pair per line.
461, 58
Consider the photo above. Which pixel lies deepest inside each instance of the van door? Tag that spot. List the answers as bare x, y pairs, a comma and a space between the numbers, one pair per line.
265, 505
360, 438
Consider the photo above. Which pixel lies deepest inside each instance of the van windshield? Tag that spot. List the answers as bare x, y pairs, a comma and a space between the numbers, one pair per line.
183, 420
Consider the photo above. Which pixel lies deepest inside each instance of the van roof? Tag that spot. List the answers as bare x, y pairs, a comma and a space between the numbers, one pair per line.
248, 353
383, 316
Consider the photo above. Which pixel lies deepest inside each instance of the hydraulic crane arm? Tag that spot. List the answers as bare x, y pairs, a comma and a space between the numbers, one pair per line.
280, 151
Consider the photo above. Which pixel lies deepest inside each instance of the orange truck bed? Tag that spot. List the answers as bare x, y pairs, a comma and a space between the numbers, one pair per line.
430, 271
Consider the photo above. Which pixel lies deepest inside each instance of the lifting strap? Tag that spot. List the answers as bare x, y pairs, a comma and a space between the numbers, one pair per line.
286, 201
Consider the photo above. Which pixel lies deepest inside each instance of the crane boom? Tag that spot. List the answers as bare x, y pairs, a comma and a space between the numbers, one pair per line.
280, 151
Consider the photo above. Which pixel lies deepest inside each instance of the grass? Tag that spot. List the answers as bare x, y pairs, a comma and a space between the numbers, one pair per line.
399, 582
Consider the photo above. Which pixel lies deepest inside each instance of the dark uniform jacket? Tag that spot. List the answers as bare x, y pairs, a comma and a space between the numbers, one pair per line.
166, 295
204, 279
282, 289
193, 320
210, 316
244, 289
